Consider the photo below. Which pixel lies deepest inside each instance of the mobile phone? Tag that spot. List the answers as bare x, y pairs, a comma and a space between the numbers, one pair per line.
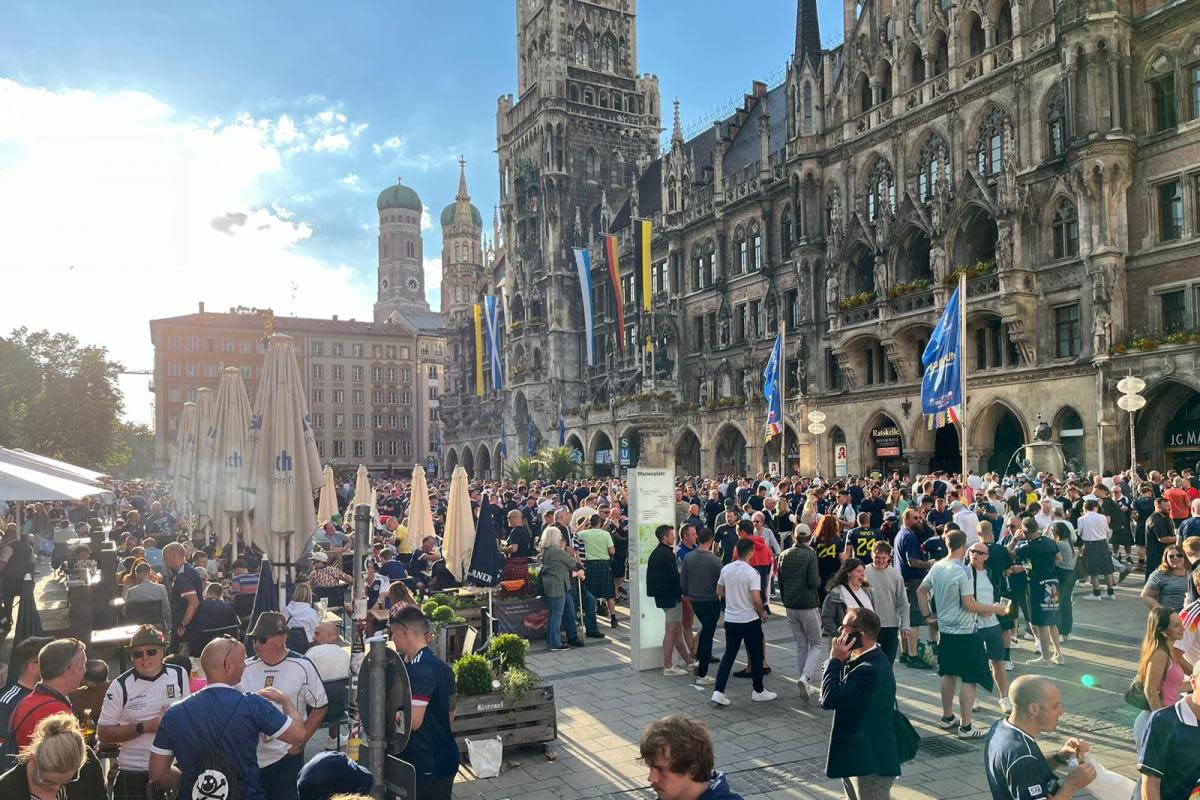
855, 640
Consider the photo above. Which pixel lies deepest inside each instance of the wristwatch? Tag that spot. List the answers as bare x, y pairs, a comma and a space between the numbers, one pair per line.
141, 727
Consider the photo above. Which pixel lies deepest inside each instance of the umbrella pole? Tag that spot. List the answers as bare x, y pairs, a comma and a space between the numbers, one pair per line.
233, 553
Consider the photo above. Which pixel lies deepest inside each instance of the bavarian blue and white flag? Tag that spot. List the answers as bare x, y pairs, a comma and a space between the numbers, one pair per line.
491, 321
562, 431
503, 440
532, 438
941, 384
583, 262
772, 390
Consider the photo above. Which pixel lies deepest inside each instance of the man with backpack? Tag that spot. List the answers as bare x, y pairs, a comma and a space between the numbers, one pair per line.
214, 733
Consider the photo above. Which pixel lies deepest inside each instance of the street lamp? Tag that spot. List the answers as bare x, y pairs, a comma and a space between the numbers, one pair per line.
1131, 400
816, 426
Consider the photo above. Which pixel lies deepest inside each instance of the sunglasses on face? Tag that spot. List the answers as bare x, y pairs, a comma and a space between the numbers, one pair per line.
1174, 555
150, 653
41, 780
979, 552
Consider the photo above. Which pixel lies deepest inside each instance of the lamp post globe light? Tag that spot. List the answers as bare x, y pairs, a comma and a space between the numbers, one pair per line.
816, 426
1131, 400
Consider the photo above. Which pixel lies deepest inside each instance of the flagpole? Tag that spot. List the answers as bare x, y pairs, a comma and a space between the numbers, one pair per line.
783, 401
962, 369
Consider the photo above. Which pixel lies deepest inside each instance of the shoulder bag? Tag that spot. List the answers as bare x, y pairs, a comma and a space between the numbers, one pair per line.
907, 740
1135, 695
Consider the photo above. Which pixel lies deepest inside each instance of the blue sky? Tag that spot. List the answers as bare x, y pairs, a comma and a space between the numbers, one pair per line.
286, 118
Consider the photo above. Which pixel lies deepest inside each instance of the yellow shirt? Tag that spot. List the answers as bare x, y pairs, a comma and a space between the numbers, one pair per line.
401, 534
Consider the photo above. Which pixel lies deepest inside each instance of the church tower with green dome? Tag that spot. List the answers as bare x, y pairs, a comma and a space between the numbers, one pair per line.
401, 279
463, 277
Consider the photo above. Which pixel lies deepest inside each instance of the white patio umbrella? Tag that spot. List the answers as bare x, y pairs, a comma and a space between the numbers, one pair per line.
420, 515
206, 448
283, 467
74, 471
225, 499
363, 493
183, 462
20, 458
20, 483
458, 539
327, 505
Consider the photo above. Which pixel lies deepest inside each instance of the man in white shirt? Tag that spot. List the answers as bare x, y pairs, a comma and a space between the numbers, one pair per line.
739, 586
133, 706
274, 666
1093, 529
330, 658
967, 521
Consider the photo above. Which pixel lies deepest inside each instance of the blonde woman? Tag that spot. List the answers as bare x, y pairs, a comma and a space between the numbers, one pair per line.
300, 612
56, 765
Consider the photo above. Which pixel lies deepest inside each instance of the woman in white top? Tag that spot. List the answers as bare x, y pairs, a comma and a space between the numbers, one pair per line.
848, 588
300, 612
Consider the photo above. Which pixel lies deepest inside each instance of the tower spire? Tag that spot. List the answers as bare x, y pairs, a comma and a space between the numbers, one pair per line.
808, 32
677, 131
463, 194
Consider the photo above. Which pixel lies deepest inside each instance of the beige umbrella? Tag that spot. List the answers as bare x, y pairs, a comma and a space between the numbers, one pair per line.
459, 538
206, 448
225, 500
283, 468
420, 515
183, 463
327, 506
363, 493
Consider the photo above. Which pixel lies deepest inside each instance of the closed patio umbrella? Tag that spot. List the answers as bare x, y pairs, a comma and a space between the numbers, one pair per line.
327, 505
282, 468
29, 622
183, 461
206, 448
458, 540
420, 515
226, 500
363, 493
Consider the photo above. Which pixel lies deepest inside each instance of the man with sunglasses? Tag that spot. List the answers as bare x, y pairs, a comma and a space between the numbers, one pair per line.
134, 705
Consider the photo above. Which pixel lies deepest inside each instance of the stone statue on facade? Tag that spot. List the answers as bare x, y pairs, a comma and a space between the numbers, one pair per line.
831, 289
802, 366
749, 385
881, 276
835, 223
804, 288
937, 262
724, 337
1008, 199
703, 393
1004, 248
1101, 331
772, 314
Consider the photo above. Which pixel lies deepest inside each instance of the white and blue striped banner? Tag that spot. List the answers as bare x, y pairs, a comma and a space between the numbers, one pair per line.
583, 260
491, 319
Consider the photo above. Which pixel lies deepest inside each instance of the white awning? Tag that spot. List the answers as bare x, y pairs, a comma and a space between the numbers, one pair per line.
21, 483
78, 473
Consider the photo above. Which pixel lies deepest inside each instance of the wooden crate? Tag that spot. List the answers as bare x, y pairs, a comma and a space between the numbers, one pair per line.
530, 720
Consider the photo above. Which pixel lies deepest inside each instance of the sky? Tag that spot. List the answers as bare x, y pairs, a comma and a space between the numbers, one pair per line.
156, 155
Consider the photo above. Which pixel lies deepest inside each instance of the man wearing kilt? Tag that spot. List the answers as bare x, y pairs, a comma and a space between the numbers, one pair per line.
598, 548
518, 548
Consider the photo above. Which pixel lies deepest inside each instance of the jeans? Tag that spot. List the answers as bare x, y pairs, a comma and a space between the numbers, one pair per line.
1066, 601
707, 611
557, 620
889, 642
764, 581
589, 608
735, 633
868, 787
279, 779
806, 629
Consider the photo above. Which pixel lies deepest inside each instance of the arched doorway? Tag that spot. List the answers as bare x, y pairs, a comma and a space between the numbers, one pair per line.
576, 446
839, 453
1069, 428
1168, 428
629, 449
687, 454
731, 451
1002, 436
468, 462
771, 453
451, 460
602, 455
947, 450
483, 462
883, 446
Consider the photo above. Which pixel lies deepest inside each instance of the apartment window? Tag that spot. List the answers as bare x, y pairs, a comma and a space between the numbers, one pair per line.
377, 374
1194, 73
320, 448
392, 447
360, 448
743, 256
339, 421
406, 421
339, 448
756, 252
318, 420
377, 397
339, 397
173, 394
337, 349
172, 369
393, 422
1162, 94
318, 348
433, 414
379, 422
318, 372
378, 448
405, 374
359, 396
173, 343
391, 398
433, 370
405, 354
405, 398
1066, 230
246, 347
318, 396
1067, 329
433, 393
193, 343
356, 350
356, 374
210, 345
359, 421
191, 369
227, 345
210, 370
391, 351
406, 447
1174, 310
1170, 211
339, 372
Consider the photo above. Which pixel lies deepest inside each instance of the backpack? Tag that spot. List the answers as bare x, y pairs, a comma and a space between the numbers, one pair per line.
9, 749
217, 777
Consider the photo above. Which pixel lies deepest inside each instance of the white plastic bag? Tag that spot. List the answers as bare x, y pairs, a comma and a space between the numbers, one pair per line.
1109, 785
486, 754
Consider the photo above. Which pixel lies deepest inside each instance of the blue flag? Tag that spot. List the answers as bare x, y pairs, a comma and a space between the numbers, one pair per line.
941, 384
583, 263
772, 390
562, 431
531, 443
503, 440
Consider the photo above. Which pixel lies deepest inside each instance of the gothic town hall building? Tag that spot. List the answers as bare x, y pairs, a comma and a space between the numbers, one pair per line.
1049, 149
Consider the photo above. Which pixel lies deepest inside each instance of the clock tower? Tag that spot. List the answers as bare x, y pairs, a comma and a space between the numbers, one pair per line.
401, 278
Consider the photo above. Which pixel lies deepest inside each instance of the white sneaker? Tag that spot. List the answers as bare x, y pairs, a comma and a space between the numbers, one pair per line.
675, 672
975, 705
707, 680
1110, 597
763, 696
719, 698
1005, 706
1038, 648
1009, 666
802, 687
1059, 660
1094, 598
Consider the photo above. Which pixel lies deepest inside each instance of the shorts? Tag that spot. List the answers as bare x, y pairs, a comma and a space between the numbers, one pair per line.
992, 638
961, 655
915, 618
674, 614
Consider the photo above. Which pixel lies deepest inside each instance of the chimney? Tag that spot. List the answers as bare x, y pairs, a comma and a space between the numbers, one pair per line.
201, 306
335, 319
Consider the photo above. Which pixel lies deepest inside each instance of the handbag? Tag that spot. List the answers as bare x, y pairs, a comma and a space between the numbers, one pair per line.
1135, 695
907, 740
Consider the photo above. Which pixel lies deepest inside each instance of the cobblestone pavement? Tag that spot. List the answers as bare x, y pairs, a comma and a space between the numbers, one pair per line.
777, 750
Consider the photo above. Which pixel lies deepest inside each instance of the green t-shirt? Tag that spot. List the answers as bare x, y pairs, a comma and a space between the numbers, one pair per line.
595, 544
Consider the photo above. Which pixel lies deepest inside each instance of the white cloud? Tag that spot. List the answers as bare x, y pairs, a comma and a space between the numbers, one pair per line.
351, 181
119, 209
285, 130
426, 219
390, 143
433, 281
332, 142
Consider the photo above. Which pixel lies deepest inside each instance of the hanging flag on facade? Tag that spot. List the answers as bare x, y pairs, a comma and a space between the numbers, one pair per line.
941, 384
531, 444
437, 440
478, 350
491, 318
583, 261
642, 231
772, 390
503, 441
614, 273
562, 431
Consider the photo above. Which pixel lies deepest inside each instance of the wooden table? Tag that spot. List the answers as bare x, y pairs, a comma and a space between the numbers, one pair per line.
116, 639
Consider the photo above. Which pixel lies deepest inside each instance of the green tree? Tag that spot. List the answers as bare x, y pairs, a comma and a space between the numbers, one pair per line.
524, 469
20, 381
557, 463
133, 454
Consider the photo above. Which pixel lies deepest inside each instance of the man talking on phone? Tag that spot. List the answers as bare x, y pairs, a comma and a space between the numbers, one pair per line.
860, 688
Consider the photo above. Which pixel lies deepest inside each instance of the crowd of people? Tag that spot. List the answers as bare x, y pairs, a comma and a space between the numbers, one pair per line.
875, 576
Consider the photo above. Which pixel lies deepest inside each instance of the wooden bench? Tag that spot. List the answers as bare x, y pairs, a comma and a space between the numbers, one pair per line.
531, 719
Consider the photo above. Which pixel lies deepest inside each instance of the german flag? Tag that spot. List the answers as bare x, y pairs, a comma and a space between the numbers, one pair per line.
614, 273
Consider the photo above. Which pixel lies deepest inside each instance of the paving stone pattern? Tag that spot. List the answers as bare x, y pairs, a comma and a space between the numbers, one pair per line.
777, 750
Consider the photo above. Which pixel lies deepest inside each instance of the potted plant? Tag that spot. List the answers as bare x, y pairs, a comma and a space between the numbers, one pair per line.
499, 696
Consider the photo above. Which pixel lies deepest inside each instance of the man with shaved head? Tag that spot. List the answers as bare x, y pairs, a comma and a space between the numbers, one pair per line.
1016, 768
220, 726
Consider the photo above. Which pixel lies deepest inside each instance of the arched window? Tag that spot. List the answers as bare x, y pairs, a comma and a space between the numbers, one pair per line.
697, 268
1056, 123
976, 42
885, 83
412, 249
603, 98
588, 97
989, 146
808, 108
932, 163
1004, 25
573, 93
710, 261
743, 251
1164, 104
785, 232
756, 254
671, 195
583, 48
458, 252
941, 61
881, 189
916, 66
1066, 230
589, 164
608, 55
865, 101
615, 167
